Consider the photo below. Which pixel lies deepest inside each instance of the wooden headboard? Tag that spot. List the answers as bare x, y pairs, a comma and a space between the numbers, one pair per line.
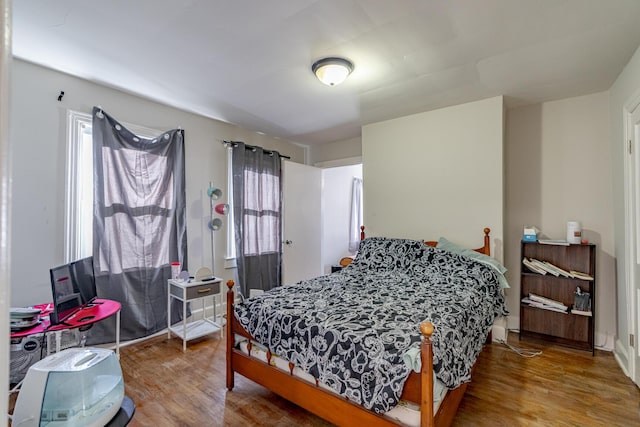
485, 249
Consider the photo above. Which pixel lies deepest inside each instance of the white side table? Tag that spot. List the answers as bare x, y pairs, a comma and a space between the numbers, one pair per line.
188, 291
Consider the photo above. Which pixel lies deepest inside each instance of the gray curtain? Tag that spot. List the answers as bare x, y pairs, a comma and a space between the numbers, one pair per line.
257, 203
139, 224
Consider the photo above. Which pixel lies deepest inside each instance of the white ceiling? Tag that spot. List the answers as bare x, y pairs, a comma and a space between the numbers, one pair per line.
248, 62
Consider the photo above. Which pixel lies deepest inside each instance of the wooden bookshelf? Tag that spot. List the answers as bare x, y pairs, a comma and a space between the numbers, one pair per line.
574, 330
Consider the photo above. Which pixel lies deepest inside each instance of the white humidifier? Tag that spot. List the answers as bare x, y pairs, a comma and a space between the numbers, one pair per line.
75, 387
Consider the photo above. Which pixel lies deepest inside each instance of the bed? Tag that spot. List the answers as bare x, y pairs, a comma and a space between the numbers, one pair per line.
359, 336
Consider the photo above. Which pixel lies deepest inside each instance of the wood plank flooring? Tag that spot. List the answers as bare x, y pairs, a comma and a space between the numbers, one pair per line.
562, 387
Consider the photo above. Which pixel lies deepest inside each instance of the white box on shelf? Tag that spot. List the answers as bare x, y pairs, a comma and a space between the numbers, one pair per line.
530, 234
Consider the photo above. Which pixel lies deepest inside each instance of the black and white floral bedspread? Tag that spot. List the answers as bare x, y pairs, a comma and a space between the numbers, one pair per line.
350, 329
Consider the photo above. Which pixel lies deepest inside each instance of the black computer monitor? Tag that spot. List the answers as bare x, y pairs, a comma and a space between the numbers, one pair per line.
83, 279
66, 297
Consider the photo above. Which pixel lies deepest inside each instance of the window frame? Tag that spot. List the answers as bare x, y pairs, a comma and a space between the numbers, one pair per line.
77, 123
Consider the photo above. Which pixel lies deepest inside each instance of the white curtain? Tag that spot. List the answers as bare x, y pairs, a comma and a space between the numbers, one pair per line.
356, 215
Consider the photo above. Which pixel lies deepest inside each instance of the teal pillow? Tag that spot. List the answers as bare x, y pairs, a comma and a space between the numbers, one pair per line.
470, 253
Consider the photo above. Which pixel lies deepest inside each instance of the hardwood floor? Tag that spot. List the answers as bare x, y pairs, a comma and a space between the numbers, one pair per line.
172, 388
562, 387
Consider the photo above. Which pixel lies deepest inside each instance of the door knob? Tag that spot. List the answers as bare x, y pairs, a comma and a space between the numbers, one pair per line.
288, 242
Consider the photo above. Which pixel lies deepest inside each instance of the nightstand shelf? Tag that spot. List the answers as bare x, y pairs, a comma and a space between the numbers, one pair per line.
194, 330
191, 292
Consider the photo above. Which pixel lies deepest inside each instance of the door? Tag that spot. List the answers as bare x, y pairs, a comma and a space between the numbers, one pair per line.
633, 292
302, 222
5, 194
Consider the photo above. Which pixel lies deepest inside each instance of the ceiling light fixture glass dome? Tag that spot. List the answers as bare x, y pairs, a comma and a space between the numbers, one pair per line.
332, 71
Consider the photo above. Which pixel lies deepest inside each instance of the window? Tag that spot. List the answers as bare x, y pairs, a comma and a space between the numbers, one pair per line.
253, 182
79, 183
257, 199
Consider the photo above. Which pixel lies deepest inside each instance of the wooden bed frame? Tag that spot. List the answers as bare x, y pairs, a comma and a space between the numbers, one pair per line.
330, 406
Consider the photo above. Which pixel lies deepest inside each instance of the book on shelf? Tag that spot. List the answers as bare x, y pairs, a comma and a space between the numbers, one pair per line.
553, 242
541, 265
538, 301
536, 304
547, 301
559, 270
580, 275
581, 312
531, 266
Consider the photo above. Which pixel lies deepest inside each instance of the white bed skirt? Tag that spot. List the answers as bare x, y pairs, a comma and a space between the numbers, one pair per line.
405, 413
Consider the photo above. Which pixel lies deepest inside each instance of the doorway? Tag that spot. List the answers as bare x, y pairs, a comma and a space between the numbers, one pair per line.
316, 218
632, 225
337, 210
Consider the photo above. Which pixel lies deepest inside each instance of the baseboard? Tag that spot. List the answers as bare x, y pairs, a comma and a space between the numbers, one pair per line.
499, 330
604, 341
513, 323
112, 345
621, 354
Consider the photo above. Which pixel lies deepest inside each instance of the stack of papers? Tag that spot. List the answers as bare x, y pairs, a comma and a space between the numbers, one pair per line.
537, 301
553, 242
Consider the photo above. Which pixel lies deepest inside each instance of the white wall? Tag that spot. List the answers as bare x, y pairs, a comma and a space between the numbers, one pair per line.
558, 169
438, 173
625, 88
338, 150
38, 141
336, 211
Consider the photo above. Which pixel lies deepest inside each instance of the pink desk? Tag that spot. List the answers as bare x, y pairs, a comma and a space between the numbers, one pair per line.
99, 310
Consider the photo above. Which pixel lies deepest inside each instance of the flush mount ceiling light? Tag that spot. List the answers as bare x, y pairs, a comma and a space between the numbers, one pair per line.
332, 71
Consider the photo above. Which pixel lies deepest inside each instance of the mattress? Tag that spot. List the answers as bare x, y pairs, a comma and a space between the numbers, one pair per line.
405, 413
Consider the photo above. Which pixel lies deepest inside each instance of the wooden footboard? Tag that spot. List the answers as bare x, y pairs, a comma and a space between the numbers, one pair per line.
331, 407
